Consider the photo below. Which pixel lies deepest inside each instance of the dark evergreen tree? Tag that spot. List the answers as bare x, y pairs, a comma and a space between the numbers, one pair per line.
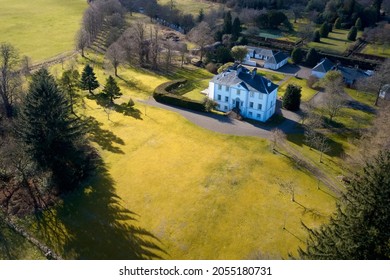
53, 137
324, 30
200, 16
316, 36
297, 55
359, 229
236, 28
227, 23
88, 79
111, 89
359, 24
337, 24
352, 34
312, 57
292, 98
68, 83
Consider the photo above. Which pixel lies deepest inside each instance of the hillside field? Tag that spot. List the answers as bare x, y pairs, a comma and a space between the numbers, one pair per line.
40, 29
166, 188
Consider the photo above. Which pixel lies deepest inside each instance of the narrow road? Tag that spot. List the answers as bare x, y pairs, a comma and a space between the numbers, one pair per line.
226, 125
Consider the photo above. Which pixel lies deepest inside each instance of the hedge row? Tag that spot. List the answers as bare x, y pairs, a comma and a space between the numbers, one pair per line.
161, 94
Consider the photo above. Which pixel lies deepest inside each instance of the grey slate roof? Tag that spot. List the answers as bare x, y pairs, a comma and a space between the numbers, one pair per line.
351, 74
277, 58
324, 66
261, 51
239, 75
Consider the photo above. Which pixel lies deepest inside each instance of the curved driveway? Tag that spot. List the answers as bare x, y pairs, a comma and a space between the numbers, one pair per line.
226, 125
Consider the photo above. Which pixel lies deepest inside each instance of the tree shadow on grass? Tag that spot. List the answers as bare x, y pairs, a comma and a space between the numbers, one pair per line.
104, 138
134, 84
122, 108
92, 224
336, 148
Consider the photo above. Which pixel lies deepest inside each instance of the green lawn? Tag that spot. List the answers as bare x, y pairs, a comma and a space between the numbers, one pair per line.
381, 50
196, 191
274, 77
363, 97
191, 6
40, 28
307, 93
335, 43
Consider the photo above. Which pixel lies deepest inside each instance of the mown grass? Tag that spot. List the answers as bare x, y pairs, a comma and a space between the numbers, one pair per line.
203, 195
307, 93
40, 29
191, 6
342, 133
363, 97
274, 77
381, 50
336, 42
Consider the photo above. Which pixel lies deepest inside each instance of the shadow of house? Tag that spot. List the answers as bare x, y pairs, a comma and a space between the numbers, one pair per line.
92, 224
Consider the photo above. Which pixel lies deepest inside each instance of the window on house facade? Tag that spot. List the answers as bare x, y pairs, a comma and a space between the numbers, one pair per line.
250, 104
219, 97
226, 107
250, 114
272, 103
258, 116
259, 106
238, 92
226, 99
252, 94
219, 87
260, 95
227, 88
233, 102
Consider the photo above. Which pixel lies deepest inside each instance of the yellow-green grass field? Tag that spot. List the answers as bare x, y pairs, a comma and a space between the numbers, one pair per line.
202, 195
343, 140
363, 97
307, 93
335, 43
41, 28
191, 6
381, 50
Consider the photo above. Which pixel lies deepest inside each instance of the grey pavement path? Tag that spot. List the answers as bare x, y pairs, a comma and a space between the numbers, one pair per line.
226, 125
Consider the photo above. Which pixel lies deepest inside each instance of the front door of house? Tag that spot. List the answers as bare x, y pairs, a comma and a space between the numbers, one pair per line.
238, 103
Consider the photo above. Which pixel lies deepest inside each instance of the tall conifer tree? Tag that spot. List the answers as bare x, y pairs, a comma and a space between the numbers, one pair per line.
360, 228
88, 79
52, 136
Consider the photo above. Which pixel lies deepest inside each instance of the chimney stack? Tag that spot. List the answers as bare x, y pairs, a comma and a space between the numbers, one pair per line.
254, 72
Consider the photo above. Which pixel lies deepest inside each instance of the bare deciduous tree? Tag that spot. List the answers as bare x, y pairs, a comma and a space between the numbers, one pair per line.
115, 55
277, 138
380, 78
9, 76
306, 31
202, 36
83, 40
288, 187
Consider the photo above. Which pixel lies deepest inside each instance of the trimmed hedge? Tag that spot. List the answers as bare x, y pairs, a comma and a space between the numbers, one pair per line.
162, 94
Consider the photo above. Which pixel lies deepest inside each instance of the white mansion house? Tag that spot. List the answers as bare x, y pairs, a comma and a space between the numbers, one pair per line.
238, 88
